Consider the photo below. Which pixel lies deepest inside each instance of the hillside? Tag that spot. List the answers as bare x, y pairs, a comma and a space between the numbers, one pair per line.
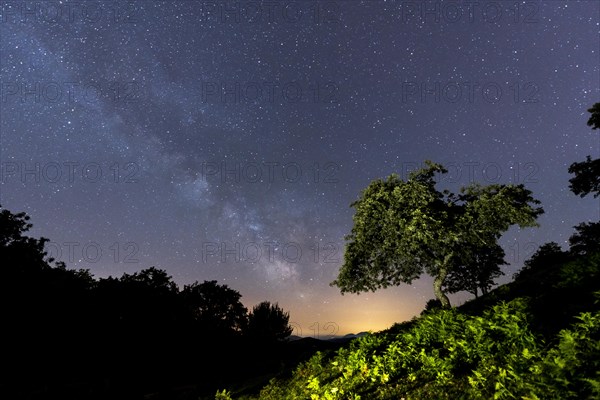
537, 337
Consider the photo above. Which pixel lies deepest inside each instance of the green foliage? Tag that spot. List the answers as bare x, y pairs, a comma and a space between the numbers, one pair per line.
494, 353
403, 229
571, 369
448, 355
477, 271
223, 395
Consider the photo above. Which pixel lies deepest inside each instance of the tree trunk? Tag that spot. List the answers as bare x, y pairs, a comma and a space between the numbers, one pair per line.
437, 287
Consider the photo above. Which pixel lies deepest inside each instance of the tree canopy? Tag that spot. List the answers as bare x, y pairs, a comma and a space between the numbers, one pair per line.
586, 240
137, 331
403, 229
268, 322
594, 120
477, 271
587, 173
546, 258
217, 307
15, 245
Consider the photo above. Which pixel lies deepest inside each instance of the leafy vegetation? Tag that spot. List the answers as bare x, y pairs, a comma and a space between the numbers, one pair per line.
405, 228
477, 272
470, 353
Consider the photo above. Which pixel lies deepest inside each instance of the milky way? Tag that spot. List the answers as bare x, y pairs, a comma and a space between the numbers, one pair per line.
226, 140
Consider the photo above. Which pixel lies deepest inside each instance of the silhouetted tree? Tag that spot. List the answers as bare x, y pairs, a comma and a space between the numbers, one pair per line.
586, 240
268, 322
587, 173
402, 229
477, 271
547, 257
548, 252
587, 177
113, 337
148, 298
22, 252
216, 307
45, 308
594, 120
12, 227
431, 305
151, 279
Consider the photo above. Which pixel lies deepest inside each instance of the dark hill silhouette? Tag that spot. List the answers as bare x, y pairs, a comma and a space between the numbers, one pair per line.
68, 335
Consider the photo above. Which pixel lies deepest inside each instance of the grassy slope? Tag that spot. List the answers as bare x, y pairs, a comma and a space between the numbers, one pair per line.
536, 337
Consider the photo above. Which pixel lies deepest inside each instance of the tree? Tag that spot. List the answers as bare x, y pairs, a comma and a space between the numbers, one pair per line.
587, 177
586, 240
12, 227
24, 253
538, 268
405, 228
431, 305
153, 279
477, 271
268, 322
594, 120
216, 307
146, 297
587, 173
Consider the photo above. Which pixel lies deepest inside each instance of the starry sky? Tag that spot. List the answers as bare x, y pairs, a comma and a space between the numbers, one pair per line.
226, 140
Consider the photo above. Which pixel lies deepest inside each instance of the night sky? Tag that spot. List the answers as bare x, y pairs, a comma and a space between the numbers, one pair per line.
226, 140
